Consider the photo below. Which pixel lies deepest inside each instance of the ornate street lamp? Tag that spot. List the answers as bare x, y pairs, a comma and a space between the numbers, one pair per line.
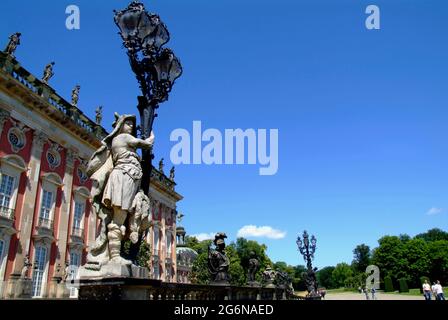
307, 249
155, 68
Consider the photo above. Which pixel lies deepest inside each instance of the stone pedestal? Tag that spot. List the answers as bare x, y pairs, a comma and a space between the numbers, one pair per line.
253, 284
115, 288
53, 288
114, 270
58, 289
19, 288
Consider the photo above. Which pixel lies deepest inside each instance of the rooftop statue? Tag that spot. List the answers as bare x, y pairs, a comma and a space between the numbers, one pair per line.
48, 72
14, 41
75, 95
172, 173
99, 115
116, 174
161, 165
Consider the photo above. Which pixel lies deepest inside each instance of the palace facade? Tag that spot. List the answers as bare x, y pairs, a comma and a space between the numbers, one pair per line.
45, 143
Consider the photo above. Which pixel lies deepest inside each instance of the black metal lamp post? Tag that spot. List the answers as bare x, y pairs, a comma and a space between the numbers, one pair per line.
155, 68
307, 249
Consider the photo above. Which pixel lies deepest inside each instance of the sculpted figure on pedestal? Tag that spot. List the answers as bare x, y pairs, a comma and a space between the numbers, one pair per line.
218, 262
14, 41
118, 202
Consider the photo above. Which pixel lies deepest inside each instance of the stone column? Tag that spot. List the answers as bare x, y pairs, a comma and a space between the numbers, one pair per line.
64, 228
29, 202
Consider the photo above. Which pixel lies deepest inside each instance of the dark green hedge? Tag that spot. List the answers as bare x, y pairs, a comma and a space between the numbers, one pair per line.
403, 285
388, 285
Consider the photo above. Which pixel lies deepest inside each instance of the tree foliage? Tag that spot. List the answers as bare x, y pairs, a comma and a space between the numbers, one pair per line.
340, 274
143, 254
361, 257
244, 247
434, 234
324, 277
398, 257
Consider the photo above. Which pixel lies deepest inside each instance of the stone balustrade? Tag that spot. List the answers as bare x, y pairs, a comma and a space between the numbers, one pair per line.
148, 289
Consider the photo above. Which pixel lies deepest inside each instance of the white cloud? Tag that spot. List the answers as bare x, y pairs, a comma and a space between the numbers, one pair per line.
204, 236
434, 211
264, 231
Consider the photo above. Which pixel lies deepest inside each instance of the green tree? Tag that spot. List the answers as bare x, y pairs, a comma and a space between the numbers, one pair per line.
244, 248
324, 277
236, 271
361, 257
340, 274
390, 257
198, 246
434, 234
438, 257
418, 260
199, 270
143, 255
298, 281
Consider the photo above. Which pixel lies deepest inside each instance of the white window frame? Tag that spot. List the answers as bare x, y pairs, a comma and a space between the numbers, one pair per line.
156, 270
74, 270
46, 211
12, 179
51, 182
43, 280
3, 258
80, 197
13, 166
169, 244
156, 239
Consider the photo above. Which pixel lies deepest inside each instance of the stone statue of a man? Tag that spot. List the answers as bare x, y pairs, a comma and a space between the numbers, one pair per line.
116, 174
75, 95
26, 266
218, 262
48, 72
99, 115
172, 173
14, 41
254, 265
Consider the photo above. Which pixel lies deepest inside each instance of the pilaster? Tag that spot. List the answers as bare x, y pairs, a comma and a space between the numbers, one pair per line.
29, 203
66, 206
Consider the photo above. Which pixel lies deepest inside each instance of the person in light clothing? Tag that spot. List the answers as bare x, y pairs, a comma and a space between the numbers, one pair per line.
439, 291
427, 290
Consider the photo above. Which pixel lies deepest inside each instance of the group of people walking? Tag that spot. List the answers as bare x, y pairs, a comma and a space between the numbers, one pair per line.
366, 291
435, 290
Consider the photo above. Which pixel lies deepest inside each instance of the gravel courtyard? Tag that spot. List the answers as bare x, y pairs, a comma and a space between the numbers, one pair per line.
361, 296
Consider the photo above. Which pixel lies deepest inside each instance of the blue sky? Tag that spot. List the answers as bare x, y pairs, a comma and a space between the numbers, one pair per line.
362, 115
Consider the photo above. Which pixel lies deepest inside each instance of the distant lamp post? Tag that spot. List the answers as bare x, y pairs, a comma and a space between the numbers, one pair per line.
307, 247
155, 68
